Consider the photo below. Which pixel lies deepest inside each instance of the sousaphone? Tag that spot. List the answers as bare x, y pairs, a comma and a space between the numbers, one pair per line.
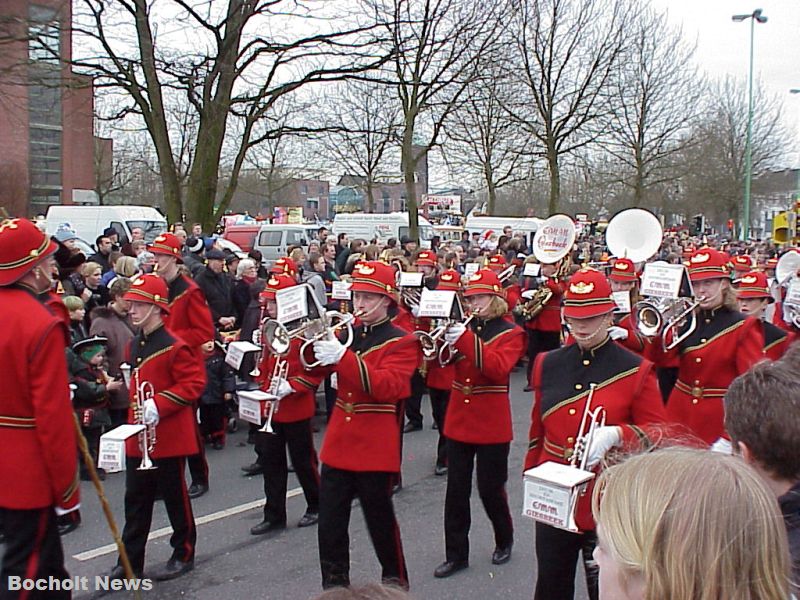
634, 233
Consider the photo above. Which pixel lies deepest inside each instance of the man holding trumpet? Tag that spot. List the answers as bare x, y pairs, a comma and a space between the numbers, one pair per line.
294, 388
361, 450
166, 377
593, 369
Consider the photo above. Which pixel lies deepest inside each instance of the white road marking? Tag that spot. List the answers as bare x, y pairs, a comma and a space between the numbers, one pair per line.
164, 531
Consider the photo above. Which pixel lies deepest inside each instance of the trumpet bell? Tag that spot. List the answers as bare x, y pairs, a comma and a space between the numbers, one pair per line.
649, 320
277, 337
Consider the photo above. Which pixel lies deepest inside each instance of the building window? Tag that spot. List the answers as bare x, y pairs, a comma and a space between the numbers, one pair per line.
44, 45
403, 203
312, 203
304, 189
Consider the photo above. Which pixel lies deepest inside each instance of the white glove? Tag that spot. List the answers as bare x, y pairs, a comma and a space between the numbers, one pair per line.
722, 446
256, 337
415, 311
604, 439
617, 333
150, 412
329, 352
454, 332
282, 388
65, 511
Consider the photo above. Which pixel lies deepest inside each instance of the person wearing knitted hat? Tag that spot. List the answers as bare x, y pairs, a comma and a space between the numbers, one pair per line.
291, 423
176, 378
593, 370
753, 296
724, 344
478, 423
37, 428
361, 450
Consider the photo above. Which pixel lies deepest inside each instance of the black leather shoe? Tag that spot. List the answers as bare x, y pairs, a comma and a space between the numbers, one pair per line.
119, 573
308, 519
396, 488
527, 388
197, 489
266, 527
217, 445
174, 568
440, 470
411, 427
68, 527
69, 522
253, 469
501, 556
449, 567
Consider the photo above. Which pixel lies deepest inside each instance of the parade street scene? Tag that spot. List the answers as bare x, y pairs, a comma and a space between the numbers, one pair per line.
399, 299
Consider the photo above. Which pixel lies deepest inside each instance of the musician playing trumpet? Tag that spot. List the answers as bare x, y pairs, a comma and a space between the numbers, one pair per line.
290, 423
165, 365
624, 278
724, 344
623, 384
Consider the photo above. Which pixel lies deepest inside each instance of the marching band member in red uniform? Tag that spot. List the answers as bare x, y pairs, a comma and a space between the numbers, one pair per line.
361, 450
291, 423
190, 319
39, 467
753, 296
511, 288
624, 385
177, 378
478, 422
723, 346
624, 278
440, 380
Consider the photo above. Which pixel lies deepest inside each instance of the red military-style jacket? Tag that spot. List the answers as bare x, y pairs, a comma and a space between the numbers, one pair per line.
479, 411
513, 295
373, 376
626, 387
178, 380
776, 340
39, 466
724, 345
299, 405
550, 317
189, 316
439, 377
634, 342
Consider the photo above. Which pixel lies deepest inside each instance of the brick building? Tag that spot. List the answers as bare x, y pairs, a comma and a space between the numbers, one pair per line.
46, 111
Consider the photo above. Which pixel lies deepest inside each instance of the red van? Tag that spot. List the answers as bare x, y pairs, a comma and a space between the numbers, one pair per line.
242, 235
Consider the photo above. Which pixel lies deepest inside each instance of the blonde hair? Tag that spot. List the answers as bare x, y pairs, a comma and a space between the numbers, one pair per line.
90, 267
125, 266
693, 524
498, 307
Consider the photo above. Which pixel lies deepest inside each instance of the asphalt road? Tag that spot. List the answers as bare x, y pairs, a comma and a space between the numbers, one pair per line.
231, 563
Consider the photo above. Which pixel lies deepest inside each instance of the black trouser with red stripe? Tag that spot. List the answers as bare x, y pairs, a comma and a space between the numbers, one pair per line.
32, 551
557, 561
299, 438
414, 402
439, 400
140, 494
374, 490
491, 461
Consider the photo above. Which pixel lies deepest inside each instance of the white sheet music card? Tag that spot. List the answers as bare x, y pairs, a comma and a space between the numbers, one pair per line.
410, 279
470, 269
340, 290
531, 270
436, 303
662, 280
292, 303
623, 302
236, 352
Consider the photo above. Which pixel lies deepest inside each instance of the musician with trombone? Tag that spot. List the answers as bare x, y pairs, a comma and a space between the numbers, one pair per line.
478, 421
565, 381
165, 380
39, 469
752, 294
281, 373
723, 344
361, 450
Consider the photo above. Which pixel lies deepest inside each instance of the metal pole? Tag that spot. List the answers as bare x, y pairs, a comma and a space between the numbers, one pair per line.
748, 150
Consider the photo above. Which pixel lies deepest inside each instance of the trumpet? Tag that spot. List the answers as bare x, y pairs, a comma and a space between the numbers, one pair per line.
331, 323
144, 391
279, 371
411, 295
447, 353
590, 421
258, 340
660, 316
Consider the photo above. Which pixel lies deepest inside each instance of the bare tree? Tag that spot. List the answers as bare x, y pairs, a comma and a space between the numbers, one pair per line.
363, 121
656, 100
243, 56
437, 46
567, 53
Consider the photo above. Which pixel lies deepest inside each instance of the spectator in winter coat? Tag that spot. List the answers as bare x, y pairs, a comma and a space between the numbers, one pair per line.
217, 396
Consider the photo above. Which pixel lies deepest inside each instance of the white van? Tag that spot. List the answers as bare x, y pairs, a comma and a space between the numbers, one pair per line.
526, 225
273, 239
382, 226
90, 221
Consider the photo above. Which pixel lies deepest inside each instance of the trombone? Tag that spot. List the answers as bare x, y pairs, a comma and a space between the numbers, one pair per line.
144, 391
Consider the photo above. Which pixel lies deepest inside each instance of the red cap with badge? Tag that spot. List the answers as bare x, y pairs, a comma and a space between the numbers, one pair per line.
708, 263
149, 289
497, 263
742, 263
167, 244
449, 280
375, 277
484, 281
754, 285
22, 246
588, 295
284, 265
426, 258
623, 269
276, 281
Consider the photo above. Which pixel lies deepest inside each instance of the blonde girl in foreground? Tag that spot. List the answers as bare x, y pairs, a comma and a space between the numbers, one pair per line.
685, 524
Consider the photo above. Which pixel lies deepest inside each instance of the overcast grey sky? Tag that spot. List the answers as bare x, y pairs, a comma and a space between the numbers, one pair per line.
723, 46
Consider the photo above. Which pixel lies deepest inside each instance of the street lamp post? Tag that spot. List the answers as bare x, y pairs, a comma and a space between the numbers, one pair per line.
797, 184
756, 15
